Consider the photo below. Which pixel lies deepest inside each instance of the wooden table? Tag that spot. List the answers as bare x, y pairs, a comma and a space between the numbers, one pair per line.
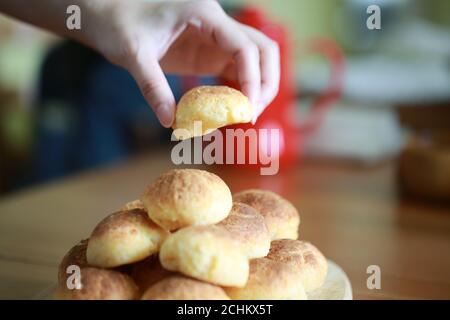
353, 215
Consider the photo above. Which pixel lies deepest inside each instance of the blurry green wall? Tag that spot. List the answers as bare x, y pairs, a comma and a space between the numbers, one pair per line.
305, 18
437, 11
310, 18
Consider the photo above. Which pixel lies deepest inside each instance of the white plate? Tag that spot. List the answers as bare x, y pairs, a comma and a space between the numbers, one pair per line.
336, 287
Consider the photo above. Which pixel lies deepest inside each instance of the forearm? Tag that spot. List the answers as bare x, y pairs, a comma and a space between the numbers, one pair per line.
52, 15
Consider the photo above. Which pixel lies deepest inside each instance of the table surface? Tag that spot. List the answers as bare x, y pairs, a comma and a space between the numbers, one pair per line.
354, 215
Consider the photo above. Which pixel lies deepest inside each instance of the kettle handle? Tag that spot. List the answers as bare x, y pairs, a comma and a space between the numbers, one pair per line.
333, 53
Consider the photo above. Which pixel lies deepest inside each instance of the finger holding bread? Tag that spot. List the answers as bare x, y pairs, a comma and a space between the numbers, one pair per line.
212, 107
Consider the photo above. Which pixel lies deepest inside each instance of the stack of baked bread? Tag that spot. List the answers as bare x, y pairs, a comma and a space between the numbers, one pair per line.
189, 238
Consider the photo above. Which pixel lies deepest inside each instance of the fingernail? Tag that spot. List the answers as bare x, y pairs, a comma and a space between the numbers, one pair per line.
258, 111
165, 115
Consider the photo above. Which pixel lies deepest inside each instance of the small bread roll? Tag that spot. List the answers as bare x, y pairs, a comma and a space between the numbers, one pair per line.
75, 257
100, 284
147, 272
281, 217
214, 107
185, 197
269, 280
206, 253
182, 288
248, 227
124, 237
306, 258
136, 204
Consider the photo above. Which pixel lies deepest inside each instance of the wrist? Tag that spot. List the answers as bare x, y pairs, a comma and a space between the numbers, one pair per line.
94, 14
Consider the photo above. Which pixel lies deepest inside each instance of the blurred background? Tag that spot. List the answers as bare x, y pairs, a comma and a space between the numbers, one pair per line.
371, 96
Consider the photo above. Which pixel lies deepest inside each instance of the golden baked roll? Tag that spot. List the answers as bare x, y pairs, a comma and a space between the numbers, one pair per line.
306, 258
214, 107
248, 227
269, 280
75, 257
124, 237
185, 197
147, 272
136, 204
206, 253
280, 215
183, 288
100, 284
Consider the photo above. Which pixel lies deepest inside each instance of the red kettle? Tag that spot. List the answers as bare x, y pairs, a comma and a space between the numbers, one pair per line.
281, 113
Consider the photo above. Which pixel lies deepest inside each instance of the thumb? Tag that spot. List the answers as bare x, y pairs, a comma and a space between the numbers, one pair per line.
155, 89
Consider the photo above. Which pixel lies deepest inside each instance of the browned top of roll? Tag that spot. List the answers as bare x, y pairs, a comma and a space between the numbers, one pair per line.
122, 219
135, 204
75, 256
280, 215
101, 284
184, 288
122, 238
311, 264
186, 197
249, 228
267, 203
295, 251
244, 221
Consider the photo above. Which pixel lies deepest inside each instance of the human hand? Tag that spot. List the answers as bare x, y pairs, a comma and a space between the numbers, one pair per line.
186, 38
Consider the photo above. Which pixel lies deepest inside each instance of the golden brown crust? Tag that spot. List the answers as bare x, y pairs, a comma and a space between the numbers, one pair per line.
249, 228
306, 258
269, 280
214, 106
207, 253
185, 197
135, 204
183, 288
280, 215
149, 271
124, 237
76, 256
100, 284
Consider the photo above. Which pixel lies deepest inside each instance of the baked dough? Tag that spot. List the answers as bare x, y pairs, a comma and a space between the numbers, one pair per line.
311, 264
206, 253
136, 204
183, 288
74, 257
281, 217
248, 227
269, 280
100, 284
122, 238
185, 197
147, 272
214, 107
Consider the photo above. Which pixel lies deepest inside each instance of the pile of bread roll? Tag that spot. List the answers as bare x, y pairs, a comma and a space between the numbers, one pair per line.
188, 238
